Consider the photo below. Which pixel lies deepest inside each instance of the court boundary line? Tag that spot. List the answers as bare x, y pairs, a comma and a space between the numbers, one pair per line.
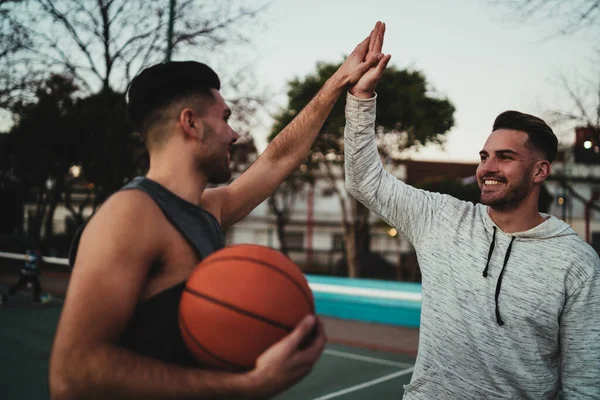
373, 360
366, 384
371, 346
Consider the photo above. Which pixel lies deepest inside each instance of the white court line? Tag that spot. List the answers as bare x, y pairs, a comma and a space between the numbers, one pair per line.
373, 360
50, 260
369, 292
366, 384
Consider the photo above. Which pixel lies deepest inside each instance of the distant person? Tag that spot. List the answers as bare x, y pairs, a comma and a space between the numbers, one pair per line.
29, 275
511, 296
118, 335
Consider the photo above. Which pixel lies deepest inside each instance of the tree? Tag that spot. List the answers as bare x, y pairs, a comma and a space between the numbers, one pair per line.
409, 114
282, 201
42, 147
110, 153
103, 43
572, 16
584, 109
16, 75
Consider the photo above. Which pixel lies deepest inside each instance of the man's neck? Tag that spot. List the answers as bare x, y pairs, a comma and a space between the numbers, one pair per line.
516, 220
180, 179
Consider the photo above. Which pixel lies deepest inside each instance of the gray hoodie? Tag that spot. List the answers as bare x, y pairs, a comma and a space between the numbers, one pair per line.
504, 316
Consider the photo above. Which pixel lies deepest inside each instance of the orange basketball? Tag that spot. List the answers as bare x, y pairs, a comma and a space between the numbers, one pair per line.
238, 302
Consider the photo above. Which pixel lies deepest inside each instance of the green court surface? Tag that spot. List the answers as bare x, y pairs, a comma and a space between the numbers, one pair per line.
343, 372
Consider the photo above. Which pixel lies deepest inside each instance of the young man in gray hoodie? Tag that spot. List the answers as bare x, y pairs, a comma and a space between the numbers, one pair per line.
511, 296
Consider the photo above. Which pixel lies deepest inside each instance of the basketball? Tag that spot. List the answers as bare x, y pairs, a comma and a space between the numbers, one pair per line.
238, 302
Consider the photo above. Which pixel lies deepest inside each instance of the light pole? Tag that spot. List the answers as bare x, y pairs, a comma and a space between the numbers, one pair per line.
170, 30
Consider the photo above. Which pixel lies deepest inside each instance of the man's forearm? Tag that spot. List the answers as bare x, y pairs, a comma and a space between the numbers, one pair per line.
115, 373
296, 139
363, 168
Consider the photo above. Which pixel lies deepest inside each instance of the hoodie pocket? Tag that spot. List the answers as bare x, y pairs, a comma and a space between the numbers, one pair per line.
439, 383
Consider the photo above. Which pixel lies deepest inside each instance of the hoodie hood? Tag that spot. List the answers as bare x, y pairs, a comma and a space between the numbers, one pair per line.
552, 227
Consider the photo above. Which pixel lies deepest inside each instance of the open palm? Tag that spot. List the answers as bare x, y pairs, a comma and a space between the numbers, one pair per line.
365, 86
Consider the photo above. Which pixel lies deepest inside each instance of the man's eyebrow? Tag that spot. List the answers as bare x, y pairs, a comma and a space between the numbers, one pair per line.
499, 152
507, 151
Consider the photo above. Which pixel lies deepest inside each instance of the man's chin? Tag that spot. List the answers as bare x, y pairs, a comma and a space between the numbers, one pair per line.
491, 201
499, 204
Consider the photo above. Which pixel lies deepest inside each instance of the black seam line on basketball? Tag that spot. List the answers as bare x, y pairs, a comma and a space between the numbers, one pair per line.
241, 311
270, 266
210, 353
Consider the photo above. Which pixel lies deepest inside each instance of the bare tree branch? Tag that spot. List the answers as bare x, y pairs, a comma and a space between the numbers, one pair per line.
572, 15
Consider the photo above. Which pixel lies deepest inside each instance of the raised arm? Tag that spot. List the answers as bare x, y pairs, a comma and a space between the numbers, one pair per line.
580, 341
409, 210
109, 272
293, 143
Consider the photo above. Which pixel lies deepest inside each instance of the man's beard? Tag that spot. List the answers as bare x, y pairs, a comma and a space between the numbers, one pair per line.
217, 170
509, 200
217, 167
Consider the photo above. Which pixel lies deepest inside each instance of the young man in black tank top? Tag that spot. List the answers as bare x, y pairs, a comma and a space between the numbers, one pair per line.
131, 254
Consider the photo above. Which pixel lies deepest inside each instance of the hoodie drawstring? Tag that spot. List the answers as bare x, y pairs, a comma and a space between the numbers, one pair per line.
499, 283
485, 271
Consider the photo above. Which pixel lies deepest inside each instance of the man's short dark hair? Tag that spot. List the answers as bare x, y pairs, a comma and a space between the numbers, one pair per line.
541, 136
159, 86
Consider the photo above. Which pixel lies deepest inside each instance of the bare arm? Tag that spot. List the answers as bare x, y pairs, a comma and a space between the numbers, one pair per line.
293, 143
107, 279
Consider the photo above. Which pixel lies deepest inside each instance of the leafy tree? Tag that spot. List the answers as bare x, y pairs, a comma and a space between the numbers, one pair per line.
42, 146
282, 202
100, 46
409, 114
110, 152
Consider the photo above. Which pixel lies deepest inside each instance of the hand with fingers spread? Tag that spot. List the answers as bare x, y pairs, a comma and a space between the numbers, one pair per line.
365, 86
288, 361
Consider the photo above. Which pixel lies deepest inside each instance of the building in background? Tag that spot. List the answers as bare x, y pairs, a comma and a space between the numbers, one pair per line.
314, 233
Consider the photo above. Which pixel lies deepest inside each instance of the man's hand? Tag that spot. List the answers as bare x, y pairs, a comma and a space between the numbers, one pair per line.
363, 58
287, 361
365, 86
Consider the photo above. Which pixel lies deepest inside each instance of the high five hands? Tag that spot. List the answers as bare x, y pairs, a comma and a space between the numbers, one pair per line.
364, 87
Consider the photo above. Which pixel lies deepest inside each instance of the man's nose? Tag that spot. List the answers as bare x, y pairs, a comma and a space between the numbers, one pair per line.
489, 167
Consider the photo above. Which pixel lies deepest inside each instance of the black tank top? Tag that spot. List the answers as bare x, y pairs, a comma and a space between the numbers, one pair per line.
154, 329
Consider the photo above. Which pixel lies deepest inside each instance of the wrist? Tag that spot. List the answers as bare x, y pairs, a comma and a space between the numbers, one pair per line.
361, 94
338, 82
252, 384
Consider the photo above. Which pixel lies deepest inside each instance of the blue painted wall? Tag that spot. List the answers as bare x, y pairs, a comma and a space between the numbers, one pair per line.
364, 308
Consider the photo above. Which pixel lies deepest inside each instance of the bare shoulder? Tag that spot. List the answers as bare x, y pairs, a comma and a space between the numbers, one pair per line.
128, 208
116, 250
128, 221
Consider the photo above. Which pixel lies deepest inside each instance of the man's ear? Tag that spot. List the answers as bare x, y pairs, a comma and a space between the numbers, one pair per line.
190, 124
541, 170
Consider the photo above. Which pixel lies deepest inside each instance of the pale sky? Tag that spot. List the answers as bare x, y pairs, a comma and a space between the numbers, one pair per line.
469, 50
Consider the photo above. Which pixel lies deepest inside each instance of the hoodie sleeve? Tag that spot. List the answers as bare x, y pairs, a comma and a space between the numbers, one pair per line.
404, 207
580, 341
